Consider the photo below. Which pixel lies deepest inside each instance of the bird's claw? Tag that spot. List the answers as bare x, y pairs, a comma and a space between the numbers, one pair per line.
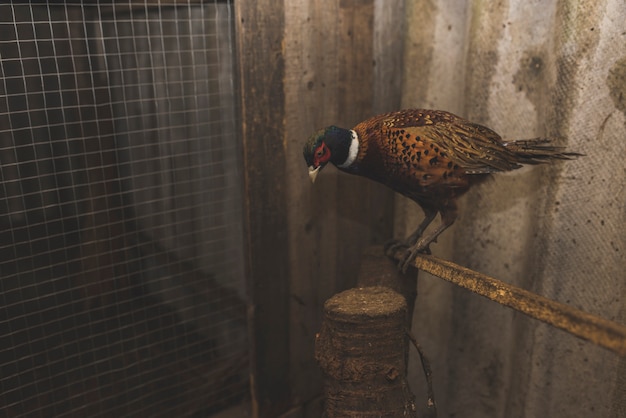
392, 246
410, 254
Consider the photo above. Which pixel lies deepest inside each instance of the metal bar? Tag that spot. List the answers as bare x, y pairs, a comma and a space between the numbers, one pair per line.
600, 331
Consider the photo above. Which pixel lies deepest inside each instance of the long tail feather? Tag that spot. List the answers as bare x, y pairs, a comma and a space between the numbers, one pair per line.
538, 151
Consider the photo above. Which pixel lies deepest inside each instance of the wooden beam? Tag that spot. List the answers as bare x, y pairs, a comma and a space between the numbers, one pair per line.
259, 30
600, 331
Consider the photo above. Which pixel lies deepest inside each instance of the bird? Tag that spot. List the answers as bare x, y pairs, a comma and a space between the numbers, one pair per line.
430, 156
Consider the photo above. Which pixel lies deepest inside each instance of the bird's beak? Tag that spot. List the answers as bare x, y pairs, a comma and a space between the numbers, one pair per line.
313, 172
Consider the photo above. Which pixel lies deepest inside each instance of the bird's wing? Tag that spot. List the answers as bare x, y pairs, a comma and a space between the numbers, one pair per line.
475, 148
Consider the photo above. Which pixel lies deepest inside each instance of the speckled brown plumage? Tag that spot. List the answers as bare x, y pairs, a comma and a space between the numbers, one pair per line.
430, 156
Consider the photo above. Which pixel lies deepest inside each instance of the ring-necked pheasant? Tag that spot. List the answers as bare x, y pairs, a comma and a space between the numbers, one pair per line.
429, 156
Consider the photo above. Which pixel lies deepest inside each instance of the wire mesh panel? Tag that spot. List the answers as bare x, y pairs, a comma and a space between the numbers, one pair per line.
121, 284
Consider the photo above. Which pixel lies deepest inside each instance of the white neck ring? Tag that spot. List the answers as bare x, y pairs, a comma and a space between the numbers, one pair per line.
352, 152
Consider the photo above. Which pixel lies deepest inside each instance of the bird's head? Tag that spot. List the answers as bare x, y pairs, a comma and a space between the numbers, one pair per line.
332, 144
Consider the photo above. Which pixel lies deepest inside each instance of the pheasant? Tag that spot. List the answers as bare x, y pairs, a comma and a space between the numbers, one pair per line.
430, 156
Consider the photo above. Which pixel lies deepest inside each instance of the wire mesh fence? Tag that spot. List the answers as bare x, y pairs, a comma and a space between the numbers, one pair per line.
121, 284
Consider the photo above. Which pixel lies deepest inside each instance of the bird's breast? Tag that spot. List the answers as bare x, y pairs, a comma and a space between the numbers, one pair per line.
412, 165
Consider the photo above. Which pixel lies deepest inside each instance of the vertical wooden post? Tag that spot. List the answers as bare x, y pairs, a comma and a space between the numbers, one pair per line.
362, 350
260, 30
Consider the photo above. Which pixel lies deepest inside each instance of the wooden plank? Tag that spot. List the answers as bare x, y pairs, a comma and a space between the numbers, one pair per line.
329, 78
304, 241
355, 99
260, 28
369, 67
311, 47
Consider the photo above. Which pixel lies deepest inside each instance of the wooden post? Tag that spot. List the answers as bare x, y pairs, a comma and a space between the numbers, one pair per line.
260, 33
362, 350
377, 269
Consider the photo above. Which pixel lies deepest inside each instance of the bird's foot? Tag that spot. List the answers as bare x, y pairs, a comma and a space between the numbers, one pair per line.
411, 253
394, 245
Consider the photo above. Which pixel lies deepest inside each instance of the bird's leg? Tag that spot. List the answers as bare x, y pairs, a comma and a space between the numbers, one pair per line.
392, 246
448, 216
430, 216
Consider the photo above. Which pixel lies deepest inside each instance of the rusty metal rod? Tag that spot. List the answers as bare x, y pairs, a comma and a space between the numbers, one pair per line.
600, 331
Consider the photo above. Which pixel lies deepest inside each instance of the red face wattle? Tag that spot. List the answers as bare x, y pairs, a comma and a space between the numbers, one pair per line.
321, 155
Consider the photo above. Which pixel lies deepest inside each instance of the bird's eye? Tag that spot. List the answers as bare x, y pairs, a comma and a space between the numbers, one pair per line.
322, 155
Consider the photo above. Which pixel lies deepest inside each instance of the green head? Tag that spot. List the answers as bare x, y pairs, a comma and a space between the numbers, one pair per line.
331, 144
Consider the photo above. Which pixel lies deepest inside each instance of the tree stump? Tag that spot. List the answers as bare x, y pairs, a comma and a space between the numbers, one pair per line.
362, 350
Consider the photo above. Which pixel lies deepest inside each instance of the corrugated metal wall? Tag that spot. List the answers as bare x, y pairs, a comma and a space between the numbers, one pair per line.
527, 69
